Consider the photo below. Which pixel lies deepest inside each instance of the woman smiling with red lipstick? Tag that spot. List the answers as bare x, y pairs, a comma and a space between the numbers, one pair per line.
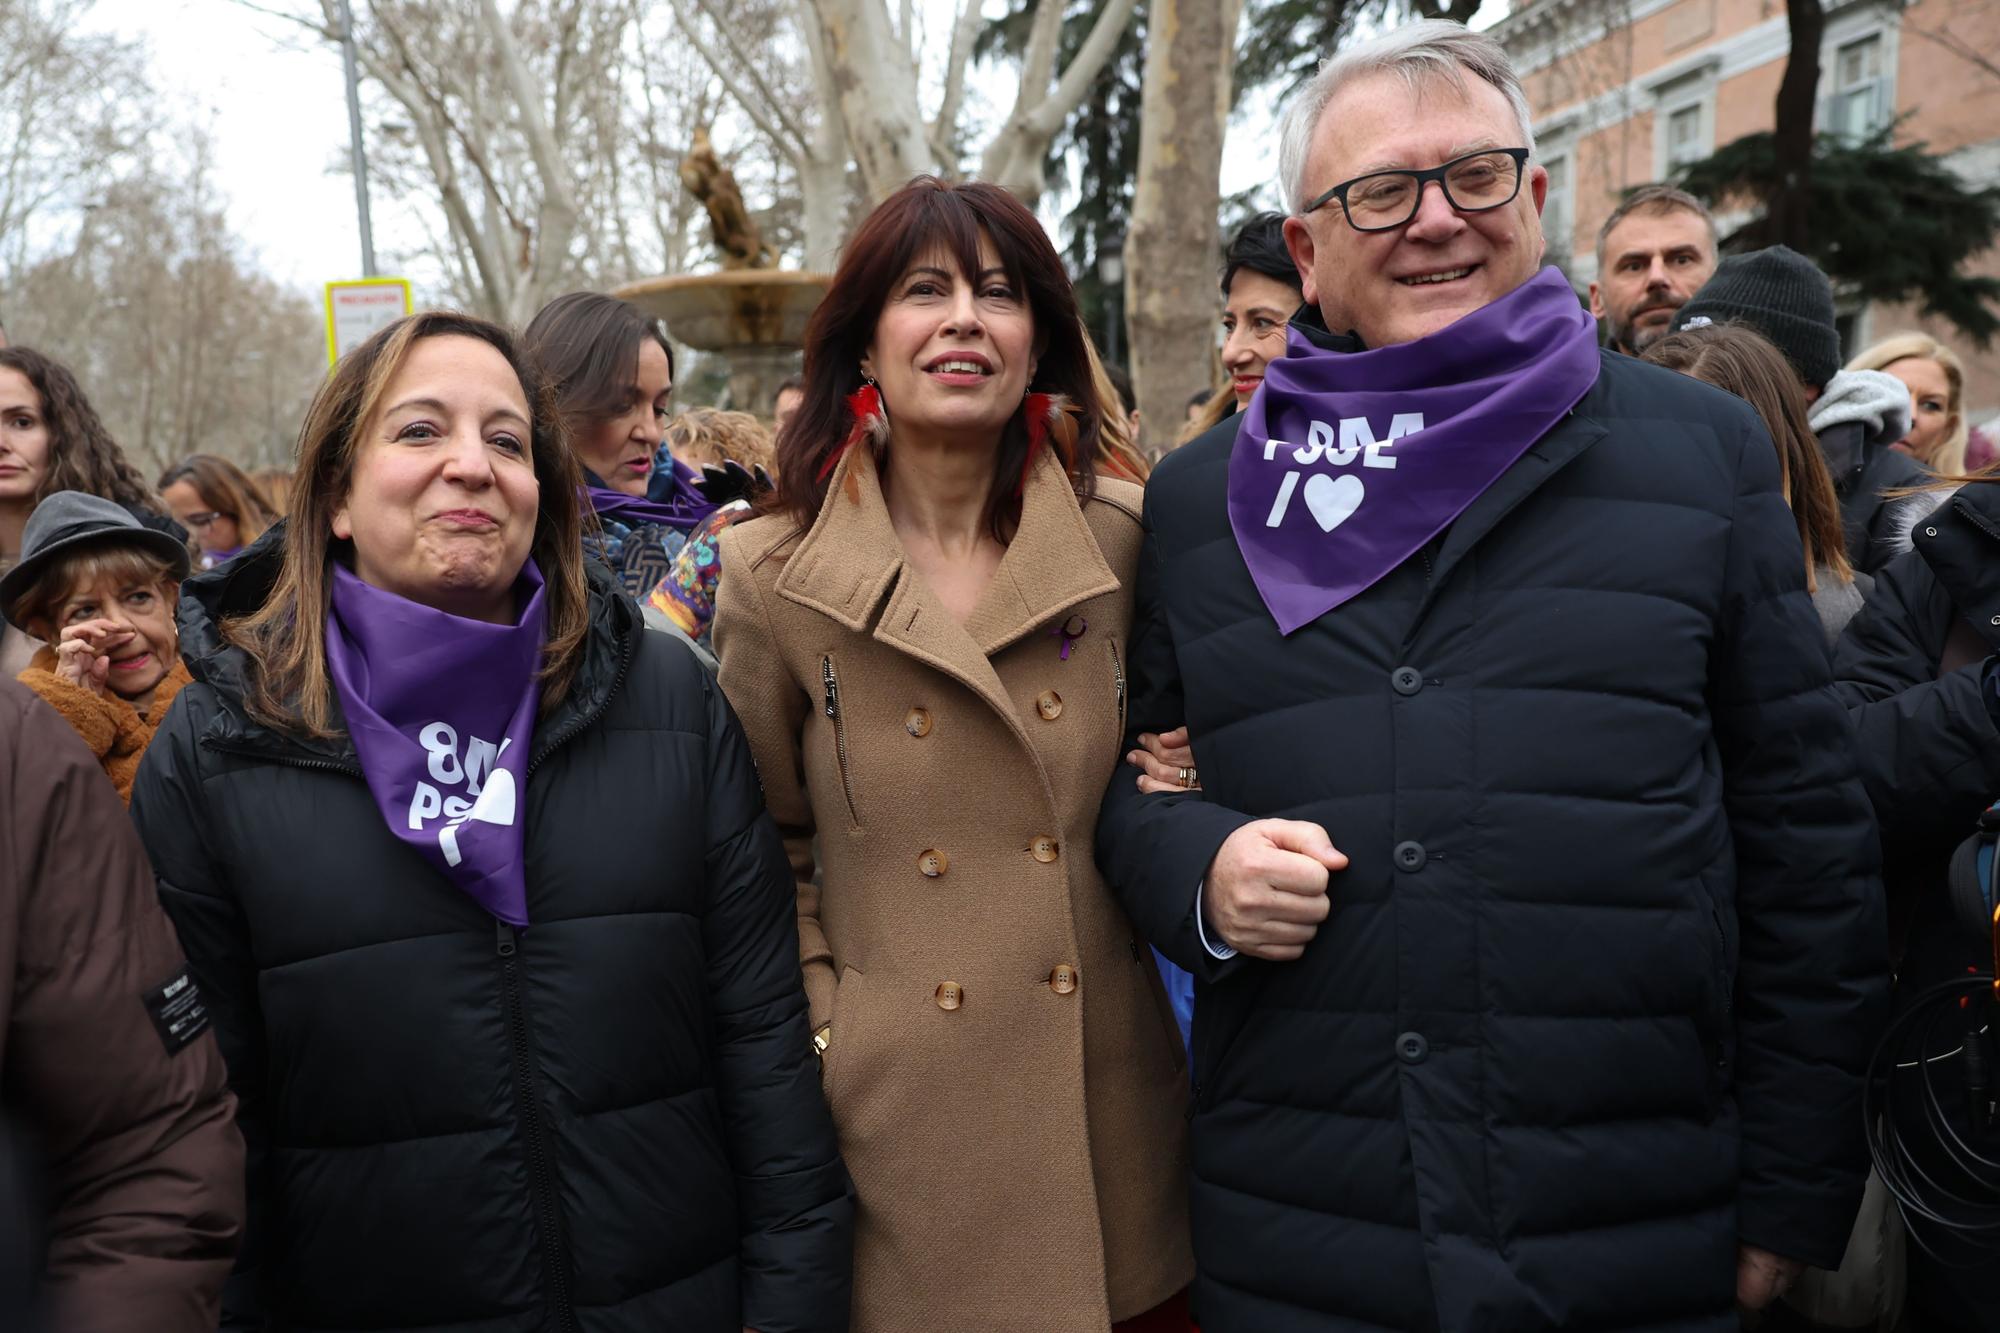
925, 639
1260, 293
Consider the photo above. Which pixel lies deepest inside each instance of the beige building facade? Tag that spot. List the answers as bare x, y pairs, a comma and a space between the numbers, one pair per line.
1625, 91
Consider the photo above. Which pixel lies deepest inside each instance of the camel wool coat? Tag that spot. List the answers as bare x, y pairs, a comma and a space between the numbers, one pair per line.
1003, 1068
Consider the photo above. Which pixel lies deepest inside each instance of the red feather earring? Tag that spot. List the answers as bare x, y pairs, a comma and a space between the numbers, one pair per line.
871, 422
1050, 417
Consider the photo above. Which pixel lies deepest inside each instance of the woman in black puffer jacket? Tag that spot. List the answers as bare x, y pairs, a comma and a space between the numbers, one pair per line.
510, 999
1918, 672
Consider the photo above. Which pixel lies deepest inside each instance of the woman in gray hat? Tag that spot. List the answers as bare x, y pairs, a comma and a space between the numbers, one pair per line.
99, 589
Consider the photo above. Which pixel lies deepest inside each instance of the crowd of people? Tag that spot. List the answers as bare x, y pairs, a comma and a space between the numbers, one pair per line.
1433, 850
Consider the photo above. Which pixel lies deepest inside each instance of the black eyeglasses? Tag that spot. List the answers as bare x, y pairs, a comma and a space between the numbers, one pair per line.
1385, 200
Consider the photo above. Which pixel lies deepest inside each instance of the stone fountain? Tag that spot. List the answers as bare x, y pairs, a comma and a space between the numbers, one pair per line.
753, 313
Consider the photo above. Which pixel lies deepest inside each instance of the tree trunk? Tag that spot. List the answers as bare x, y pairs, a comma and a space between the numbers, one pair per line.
1790, 219
1174, 246
876, 91
823, 165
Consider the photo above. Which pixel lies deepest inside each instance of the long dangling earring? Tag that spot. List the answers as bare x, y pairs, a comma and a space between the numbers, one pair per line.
1050, 416
871, 422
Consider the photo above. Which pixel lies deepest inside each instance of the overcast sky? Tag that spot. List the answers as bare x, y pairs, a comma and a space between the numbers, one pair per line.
278, 117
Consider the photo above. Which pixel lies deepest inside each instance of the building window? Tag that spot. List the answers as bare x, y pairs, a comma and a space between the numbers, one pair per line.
1683, 119
1859, 105
1684, 137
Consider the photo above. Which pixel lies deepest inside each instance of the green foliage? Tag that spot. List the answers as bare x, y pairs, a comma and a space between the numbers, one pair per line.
1890, 222
1285, 40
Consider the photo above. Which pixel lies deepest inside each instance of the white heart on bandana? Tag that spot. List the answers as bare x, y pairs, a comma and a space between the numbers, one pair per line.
1333, 500
494, 806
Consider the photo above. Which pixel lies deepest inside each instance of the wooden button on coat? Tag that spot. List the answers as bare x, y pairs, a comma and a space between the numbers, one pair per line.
933, 863
1063, 980
950, 995
1044, 850
1049, 705
917, 722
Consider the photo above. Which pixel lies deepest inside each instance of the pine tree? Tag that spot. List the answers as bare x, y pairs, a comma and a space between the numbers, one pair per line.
1890, 222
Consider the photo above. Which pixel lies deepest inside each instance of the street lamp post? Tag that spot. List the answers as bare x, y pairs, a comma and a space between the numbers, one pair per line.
354, 133
1111, 274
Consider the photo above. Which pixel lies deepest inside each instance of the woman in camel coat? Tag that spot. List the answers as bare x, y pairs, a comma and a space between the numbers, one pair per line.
941, 721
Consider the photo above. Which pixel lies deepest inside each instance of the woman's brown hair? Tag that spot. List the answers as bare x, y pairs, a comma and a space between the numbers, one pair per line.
1741, 361
926, 216
587, 347
227, 489
286, 637
82, 454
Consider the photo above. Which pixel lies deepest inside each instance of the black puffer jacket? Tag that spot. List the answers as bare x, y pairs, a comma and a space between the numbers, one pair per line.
608, 1121
1597, 989
1930, 756
1930, 752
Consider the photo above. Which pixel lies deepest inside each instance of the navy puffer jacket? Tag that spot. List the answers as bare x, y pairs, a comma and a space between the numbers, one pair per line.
609, 1122
1596, 992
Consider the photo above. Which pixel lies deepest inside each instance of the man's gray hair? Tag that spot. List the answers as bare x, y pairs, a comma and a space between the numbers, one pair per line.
1657, 198
1422, 52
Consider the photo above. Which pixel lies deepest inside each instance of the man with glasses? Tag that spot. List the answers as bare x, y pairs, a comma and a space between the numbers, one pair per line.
1528, 882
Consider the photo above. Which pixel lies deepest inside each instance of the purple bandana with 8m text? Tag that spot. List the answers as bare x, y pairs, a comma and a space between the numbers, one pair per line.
442, 713
1349, 462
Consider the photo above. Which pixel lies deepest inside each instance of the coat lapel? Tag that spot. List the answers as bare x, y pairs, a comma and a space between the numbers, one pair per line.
852, 560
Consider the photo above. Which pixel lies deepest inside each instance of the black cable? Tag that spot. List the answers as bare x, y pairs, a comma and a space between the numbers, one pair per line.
1964, 1214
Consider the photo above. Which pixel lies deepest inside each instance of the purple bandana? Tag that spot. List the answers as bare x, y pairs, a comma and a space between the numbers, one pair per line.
671, 500
1348, 462
442, 712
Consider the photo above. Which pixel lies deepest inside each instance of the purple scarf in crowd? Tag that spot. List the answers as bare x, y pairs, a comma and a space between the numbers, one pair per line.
442, 712
1349, 462
671, 500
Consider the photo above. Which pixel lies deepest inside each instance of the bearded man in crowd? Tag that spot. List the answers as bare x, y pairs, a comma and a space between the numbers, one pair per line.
1653, 253
1529, 884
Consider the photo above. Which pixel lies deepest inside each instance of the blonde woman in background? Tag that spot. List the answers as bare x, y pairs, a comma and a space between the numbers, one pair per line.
1936, 380
710, 437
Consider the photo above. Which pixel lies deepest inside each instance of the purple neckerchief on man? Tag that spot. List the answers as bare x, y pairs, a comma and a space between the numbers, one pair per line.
1347, 463
441, 710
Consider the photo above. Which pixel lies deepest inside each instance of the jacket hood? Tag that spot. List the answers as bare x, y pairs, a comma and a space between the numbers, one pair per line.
1877, 400
241, 586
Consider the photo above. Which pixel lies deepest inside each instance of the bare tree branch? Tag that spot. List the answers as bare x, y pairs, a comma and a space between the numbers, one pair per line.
944, 129
768, 107
1958, 46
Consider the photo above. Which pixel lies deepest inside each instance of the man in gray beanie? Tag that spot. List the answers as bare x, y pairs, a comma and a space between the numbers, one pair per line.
1857, 414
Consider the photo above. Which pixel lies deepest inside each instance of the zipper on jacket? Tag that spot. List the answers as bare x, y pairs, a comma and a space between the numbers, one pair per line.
528, 1115
583, 720
1118, 679
1977, 519
277, 757
839, 734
